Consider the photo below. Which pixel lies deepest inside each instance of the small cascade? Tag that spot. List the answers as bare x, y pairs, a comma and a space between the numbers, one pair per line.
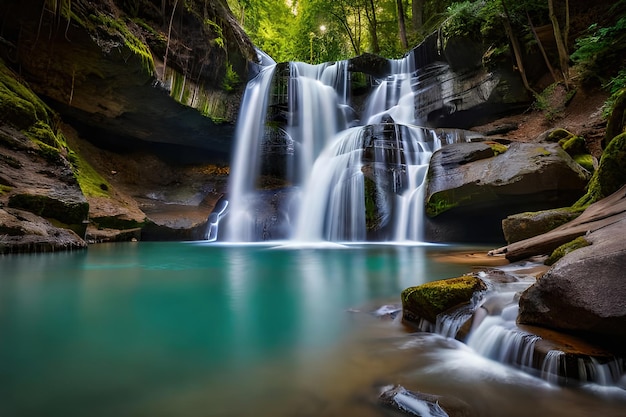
494, 334
395, 95
552, 366
498, 338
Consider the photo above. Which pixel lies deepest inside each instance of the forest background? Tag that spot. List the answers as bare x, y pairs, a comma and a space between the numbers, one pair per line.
316, 31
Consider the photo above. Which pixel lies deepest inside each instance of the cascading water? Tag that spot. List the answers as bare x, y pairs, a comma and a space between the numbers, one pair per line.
494, 334
306, 168
309, 167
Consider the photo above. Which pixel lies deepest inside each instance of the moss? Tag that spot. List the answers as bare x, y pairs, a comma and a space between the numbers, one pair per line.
439, 203
559, 134
585, 161
574, 145
19, 106
117, 27
497, 148
561, 251
610, 175
541, 151
42, 132
374, 217
91, 183
5, 189
49, 153
617, 117
429, 300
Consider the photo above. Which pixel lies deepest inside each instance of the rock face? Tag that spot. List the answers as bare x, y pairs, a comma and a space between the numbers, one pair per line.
473, 186
24, 232
104, 72
584, 292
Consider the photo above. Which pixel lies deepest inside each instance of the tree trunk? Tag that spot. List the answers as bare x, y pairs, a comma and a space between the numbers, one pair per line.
417, 9
370, 12
402, 26
516, 48
541, 48
560, 44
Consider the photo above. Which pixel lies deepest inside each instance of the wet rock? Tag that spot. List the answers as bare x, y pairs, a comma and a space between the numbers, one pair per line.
25, 232
469, 192
421, 404
426, 301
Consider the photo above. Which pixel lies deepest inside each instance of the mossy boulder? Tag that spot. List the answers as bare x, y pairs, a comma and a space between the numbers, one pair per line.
522, 226
428, 300
471, 187
610, 175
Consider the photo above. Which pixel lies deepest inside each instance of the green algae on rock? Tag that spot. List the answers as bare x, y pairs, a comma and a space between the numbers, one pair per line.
428, 300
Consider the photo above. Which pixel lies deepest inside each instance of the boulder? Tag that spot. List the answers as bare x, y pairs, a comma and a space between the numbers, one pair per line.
426, 301
422, 404
584, 291
526, 225
471, 187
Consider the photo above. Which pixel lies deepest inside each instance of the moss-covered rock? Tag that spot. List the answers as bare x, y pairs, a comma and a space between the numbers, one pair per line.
428, 300
522, 226
617, 119
586, 161
574, 145
561, 251
610, 175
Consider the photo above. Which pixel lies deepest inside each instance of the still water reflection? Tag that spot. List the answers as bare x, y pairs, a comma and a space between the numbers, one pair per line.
175, 329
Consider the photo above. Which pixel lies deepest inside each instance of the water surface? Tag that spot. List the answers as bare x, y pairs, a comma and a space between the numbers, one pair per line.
190, 329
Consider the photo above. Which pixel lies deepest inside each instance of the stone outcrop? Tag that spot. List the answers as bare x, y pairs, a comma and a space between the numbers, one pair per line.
25, 232
584, 291
106, 73
597, 216
472, 186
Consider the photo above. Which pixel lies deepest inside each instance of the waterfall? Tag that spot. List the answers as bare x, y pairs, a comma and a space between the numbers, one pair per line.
245, 166
309, 166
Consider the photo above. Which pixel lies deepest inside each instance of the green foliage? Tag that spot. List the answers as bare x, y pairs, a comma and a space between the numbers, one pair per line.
551, 102
601, 51
231, 79
217, 30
